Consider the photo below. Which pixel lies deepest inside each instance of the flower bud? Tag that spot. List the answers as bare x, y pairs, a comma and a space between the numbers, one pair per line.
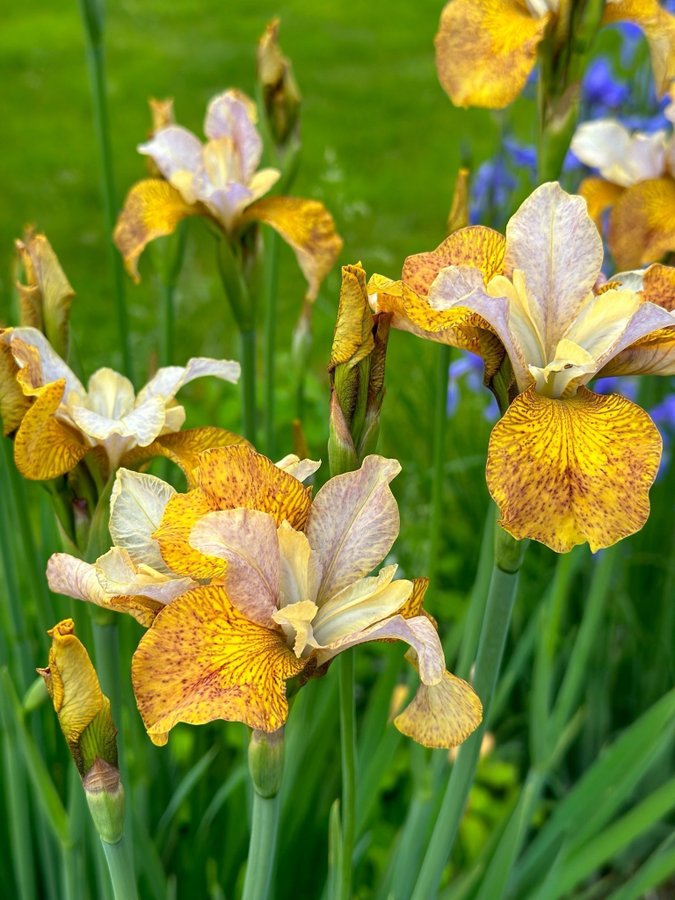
105, 798
266, 761
46, 295
280, 93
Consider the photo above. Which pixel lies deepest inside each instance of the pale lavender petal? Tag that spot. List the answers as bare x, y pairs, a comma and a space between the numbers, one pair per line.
53, 367
232, 115
72, 577
175, 151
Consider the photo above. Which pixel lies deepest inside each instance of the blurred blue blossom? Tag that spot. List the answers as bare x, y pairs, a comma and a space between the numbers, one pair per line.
467, 371
495, 180
602, 92
626, 386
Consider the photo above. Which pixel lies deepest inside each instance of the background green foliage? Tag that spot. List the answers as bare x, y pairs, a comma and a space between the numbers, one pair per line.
381, 146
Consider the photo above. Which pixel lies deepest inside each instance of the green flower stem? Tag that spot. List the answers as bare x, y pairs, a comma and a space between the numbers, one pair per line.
17, 809
262, 847
93, 20
166, 347
271, 294
121, 870
248, 365
501, 596
348, 756
439, 441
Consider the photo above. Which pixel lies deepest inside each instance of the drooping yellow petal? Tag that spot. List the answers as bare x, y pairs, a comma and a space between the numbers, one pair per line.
203, 660
44, 447
82, 709
237, 476
642, 223
13, 401
599, 195
152, 208
307, 227
659, 28
568, 471
441, 715
476, 246
184, 447
486, 49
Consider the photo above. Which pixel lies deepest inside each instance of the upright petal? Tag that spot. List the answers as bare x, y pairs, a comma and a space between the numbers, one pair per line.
203, 660
177, 153
137, 504
168, 380
233, 115
659, 28
568, 471
642, 223
476, 246
152, 208
242, 546
308, 228
486, 49
553, 241
300, 567
353, 523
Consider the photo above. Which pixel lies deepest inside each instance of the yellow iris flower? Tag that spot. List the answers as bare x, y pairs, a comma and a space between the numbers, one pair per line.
221, 181
281, 585
57, 421
564, 465
637, 184
486, 49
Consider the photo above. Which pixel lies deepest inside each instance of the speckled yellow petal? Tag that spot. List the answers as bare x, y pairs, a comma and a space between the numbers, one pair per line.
44, 447
659, 28
486, 49
599, 195
47, 295
182, 512
568, 471
203, 660
658, 286
308, 228
353, 338
441, 715
184, 447
83, 711
476, 246
413, 605
237, 476
13, 401
152, 208
642, 223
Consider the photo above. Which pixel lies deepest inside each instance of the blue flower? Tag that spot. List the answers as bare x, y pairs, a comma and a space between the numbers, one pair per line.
602, 91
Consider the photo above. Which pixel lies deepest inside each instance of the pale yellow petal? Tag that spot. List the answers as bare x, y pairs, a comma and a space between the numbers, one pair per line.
152, 208
486, 49
599, 195
203, 660
307, 227
568, 471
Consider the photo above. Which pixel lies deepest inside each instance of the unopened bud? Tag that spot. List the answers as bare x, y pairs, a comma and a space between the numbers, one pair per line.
509, 552
280, 93
105, 797
266, 761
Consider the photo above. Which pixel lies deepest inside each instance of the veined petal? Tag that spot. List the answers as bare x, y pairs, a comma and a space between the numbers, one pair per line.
642, 223
242, 546
152, 208
44, 447
300, 573
441, 715
659, 28
119, 576
184, 448
359, 605
233, 115
413, 606
568, 471
168, 380
553, 241
476, 246
203, 660
658, 286
13, 402
41, 367
182, 513
137, 504
237, 476
599, 195
353, 523
485, 50
307, 227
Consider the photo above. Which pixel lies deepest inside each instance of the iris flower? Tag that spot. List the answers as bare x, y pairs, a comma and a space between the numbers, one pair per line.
58, 421
565, 465
220, 180
486, 49
281, 585
637, 183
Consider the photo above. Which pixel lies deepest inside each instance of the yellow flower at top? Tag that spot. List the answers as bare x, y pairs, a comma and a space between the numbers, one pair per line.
486, 49
637, 185
221, 181
57, 421
565, 465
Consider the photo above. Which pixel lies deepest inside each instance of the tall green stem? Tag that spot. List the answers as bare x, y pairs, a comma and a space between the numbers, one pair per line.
166, 349
501, 596
121, 870
439, 440
271, 277
348, 755
262, 847
248, 378
93, 19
